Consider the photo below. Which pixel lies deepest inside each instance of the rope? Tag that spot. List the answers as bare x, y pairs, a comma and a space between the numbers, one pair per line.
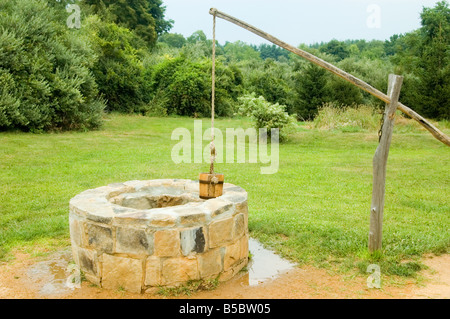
213, 96
380, 131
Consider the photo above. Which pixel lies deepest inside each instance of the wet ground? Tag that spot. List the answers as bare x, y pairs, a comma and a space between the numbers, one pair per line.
54, 277
265, 265
267, 276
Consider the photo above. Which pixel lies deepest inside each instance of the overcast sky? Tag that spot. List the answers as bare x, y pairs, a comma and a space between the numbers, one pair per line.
299, 21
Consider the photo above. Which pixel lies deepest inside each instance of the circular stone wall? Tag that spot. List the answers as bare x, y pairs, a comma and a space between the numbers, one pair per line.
139, 235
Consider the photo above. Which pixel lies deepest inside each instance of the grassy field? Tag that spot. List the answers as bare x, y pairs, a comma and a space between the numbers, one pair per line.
314, 210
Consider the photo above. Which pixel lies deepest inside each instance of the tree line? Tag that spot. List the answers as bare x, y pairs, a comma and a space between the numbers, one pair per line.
123, 58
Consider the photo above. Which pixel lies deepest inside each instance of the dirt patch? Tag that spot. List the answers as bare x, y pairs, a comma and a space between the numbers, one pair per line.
44, 278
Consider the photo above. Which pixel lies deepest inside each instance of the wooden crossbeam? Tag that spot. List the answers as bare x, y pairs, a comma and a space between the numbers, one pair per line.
333, 69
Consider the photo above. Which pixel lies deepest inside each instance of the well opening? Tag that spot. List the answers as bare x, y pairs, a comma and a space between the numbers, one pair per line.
157, 197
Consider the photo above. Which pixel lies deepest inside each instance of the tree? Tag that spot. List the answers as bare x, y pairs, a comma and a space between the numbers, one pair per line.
239, 51
197, 36
270, 79
185, 86
435, 61
423, 57
373, 71
311, 91
119, 70
174, 40
271, 51
390, 46
336, 48
145, 17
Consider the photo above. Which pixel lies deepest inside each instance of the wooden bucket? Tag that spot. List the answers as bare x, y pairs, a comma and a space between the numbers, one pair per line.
208, 189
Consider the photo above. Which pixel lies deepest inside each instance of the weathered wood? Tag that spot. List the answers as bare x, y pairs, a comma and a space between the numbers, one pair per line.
210, 185
379, 165
346, 76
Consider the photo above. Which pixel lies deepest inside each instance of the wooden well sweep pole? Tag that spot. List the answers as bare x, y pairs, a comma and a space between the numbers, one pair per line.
346, 76
382, 152
379, 165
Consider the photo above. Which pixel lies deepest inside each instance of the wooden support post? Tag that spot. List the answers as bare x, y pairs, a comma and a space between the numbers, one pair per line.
379, 164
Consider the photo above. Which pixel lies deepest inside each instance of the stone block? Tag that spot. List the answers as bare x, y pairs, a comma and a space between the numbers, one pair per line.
239, 226
232, 271
193, 240
163, 218
220, 232
136, 201
88, 261
166, 201
153, 271
103, 215
76, 231
131, 217
133, 241
235, 197
100, 238
74, 210
210, 263
242, 208
190, 216
244, 246
178, 270
218, 206
167, 243
232, 255
92, 279
117, 189
122, 273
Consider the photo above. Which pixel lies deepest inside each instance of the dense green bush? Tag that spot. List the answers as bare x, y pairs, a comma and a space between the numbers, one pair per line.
45, 78
185, 86
267, 115
119, 70
271, 79
375, 72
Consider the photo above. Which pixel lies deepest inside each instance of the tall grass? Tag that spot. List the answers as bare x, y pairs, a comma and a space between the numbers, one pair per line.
347, 118
359, 118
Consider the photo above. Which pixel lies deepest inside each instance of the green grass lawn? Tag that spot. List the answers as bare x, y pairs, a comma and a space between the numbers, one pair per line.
314, 210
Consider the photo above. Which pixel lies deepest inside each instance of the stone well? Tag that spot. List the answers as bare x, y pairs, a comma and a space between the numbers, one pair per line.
139, 235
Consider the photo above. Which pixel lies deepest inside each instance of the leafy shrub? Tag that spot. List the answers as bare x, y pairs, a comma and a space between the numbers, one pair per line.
119, 70
185, 86
45, 78
270, 79
267, 115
